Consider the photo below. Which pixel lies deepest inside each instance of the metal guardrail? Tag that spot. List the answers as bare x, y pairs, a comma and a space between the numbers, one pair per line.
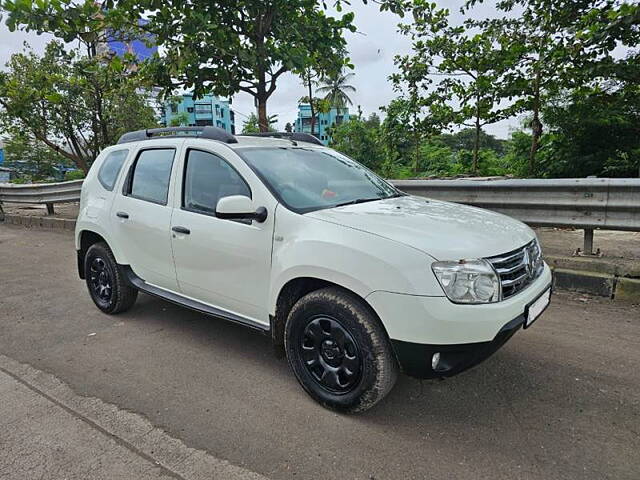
41, 193
586, 203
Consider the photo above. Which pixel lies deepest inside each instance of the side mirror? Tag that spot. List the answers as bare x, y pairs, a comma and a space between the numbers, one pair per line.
239, 207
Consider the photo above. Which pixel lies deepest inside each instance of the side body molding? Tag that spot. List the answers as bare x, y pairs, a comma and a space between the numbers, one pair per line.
143, 286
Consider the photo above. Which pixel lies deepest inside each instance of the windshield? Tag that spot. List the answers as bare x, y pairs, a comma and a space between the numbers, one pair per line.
309, 179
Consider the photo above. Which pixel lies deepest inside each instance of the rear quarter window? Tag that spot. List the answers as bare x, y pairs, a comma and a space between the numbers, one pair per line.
110, 168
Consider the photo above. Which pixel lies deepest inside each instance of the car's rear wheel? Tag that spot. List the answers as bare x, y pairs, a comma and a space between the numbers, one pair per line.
105, 281
339, 351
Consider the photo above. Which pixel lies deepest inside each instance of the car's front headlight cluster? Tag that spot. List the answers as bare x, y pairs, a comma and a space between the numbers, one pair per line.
468, 281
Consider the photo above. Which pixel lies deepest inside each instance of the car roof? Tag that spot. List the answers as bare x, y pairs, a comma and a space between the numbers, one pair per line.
262, 139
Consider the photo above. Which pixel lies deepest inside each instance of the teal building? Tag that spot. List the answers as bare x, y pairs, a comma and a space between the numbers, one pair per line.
208, 110
323, 121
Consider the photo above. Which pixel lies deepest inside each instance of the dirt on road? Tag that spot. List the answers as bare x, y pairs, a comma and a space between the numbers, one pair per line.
560, 401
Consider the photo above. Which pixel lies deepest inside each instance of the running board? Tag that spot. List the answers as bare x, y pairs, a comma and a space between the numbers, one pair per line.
143, 286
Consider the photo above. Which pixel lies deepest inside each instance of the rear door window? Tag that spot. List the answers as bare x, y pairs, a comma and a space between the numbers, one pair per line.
151, 175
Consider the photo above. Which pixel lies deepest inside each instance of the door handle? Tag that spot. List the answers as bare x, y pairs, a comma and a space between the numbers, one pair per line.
183, 230
122, 214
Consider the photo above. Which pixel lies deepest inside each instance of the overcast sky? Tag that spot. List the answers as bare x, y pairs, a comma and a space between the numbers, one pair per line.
371, 49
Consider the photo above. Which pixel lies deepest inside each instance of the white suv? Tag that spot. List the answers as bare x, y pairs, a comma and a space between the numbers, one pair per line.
352, 278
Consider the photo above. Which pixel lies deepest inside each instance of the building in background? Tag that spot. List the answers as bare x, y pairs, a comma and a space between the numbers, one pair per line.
207, 110
324, 121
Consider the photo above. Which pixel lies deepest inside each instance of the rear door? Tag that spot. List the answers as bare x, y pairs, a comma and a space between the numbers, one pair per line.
141, 213
224, 263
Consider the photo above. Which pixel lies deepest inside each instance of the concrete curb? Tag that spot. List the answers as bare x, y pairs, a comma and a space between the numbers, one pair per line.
618, 279
41, 222
128, 429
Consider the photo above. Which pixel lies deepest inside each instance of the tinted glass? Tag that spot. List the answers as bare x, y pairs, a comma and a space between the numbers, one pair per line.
207, 179
308, 179
151, 175
110, 168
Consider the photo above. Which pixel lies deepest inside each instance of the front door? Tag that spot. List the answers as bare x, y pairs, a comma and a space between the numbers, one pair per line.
224, 263
141, 216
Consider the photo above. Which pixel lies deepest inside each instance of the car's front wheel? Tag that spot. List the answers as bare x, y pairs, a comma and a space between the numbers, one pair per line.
339, 351
105, 281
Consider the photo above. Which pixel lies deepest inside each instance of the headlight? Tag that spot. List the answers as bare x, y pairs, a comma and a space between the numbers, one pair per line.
468, 281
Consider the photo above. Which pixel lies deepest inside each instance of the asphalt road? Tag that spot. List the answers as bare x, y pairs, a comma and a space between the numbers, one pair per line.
560, 400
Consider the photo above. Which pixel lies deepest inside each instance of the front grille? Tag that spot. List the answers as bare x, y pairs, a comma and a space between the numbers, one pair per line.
519, 268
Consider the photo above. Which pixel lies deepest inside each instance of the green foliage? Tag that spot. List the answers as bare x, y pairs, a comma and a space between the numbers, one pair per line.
74, 175
179, 120
249, 43
76, 105
471, 67
335, 88
555, 46
465, 140
389, 149
224, 47
596, 134
250, 125
359, 140
32, 159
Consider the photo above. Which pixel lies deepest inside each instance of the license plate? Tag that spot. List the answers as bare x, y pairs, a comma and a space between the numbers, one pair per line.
534, 310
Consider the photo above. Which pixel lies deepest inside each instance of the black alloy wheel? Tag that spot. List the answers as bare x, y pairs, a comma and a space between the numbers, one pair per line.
339, 351
105, 280
331, 355
101, 281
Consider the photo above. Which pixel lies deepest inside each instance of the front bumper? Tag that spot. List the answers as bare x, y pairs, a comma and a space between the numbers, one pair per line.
464, 335
415, 358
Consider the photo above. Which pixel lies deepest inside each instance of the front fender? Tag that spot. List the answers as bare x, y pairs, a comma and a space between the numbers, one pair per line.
356, 260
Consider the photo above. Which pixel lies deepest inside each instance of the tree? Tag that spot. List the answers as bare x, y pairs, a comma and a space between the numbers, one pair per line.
76, 105
224, 47
240, 46
557, 45
596, 134
179, 120
31, 157
360, 140
335, 88
408, 124
373, 121
465, 139
250, 125
470, 67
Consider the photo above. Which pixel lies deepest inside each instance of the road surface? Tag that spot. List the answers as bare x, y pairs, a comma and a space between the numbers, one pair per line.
559, 401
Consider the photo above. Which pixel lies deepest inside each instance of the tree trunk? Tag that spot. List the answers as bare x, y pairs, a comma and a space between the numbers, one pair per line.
313, 110
263, 119
536, 124
476, 140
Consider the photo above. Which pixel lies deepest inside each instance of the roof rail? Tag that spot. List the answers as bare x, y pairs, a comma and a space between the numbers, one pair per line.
210, 133
294, 136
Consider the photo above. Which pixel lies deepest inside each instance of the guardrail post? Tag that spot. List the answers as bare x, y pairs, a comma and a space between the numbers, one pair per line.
50, 210
588, 241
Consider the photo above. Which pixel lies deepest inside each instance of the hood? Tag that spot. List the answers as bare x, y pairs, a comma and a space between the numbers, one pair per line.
446, 231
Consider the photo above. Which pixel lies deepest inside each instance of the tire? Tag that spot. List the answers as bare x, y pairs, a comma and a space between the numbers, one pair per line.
339, 351
105, 281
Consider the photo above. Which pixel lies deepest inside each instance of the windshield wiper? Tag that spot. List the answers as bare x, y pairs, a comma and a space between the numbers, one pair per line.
358, 200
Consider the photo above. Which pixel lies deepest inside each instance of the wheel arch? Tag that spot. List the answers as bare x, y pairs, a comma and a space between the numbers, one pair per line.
292, 291
86, 238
